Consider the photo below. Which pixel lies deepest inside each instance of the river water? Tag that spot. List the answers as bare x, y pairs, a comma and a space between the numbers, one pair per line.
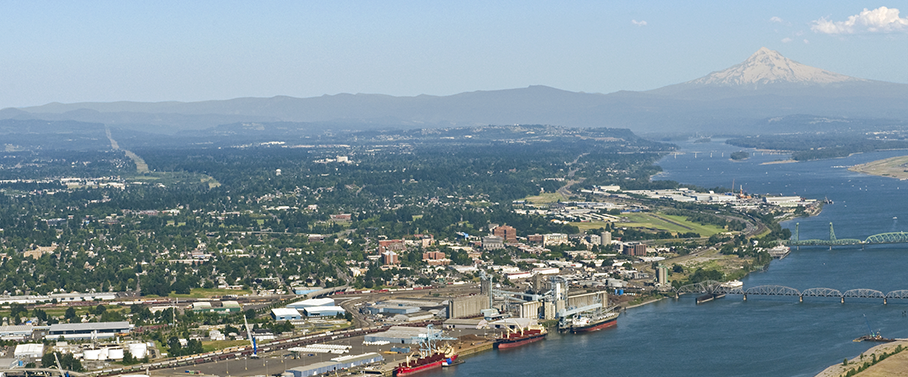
764, 336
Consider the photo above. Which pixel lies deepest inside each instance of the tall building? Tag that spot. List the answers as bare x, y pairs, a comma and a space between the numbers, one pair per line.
606, 238
508, 233
635, 249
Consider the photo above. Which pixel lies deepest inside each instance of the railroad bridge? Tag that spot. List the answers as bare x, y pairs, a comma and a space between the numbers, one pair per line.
718, 288
879, 238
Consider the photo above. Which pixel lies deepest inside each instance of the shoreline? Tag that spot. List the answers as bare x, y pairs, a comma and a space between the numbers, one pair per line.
893, 167
855, 362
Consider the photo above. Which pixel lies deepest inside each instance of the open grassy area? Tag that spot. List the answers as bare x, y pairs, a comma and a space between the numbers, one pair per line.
214, 345
551, 197
210, 292
169, 178
674, 224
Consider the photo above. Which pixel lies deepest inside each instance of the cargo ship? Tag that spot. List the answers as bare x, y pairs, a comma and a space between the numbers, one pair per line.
582, 323
517, 338
430, 355
421, 363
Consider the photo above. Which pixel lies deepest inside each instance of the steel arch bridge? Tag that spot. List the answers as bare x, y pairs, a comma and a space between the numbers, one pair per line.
879, 238
715, 287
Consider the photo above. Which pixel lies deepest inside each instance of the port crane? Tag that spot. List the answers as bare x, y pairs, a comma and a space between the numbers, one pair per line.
255, 353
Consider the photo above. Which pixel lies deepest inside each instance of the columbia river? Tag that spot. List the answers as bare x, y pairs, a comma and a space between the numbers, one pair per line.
764, 336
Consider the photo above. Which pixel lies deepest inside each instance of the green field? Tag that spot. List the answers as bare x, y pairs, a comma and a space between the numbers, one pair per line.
210, 292
674, 224
551, 197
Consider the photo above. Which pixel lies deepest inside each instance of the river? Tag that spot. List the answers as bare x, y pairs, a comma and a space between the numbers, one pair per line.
764, 336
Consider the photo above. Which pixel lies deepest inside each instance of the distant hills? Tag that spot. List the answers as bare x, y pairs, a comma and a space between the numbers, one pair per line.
731, 101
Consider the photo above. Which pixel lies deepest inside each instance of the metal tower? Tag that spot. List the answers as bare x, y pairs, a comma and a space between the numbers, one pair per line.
831, 232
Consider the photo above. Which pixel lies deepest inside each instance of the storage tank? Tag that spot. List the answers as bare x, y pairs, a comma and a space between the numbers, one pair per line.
115, 354
92, 354
138, 350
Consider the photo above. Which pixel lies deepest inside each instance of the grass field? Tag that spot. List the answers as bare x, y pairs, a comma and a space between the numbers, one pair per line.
214, 345
210, 292
674, 224
551, 197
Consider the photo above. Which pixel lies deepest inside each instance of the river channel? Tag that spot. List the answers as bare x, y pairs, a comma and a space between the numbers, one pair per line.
764, 336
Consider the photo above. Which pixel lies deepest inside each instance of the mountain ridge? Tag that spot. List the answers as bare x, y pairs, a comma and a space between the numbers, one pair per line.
765, 85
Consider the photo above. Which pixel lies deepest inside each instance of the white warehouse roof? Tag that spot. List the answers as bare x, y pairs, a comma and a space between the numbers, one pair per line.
312, 302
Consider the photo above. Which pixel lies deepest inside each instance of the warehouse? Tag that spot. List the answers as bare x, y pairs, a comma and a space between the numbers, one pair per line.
399, 335
285, 314
337, 363
311, 303
92, 330
324, 311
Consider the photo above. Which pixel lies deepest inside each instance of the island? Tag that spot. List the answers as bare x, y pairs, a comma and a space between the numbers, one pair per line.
894, 167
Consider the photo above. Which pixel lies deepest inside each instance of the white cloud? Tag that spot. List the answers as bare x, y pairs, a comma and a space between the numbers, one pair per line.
775, 19
786, 40
880, 20
638, 23
806, 42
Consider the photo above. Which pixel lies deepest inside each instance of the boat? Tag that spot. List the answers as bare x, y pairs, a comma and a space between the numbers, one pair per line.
584, 323
517, 338
874, 338
430, 355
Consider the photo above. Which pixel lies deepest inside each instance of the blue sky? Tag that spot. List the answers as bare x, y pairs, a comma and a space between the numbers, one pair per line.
200, 50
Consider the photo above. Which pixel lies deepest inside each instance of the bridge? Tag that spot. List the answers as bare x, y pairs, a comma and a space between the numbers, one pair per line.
717, 288
880, 238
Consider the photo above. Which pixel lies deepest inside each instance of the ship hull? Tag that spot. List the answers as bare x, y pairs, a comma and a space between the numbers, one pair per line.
595, 326
409, 371
512, 343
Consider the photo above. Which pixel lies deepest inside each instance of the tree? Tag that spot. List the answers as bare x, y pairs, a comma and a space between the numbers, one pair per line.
70, 313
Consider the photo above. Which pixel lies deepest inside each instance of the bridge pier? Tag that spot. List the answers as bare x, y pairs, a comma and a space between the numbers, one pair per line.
745, 297
843, 299
800, 298
884, 301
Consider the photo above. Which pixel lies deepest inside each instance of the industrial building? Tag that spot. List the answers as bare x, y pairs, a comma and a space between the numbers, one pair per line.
91, 330
223, 307
29, 351
17, 333
324, 311
399, 335
285, 314
311, 303
337, 363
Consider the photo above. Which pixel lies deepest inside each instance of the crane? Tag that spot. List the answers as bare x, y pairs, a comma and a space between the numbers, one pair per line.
255, 353
868, 326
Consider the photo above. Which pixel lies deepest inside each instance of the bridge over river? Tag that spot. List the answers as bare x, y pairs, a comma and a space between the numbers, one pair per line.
719, 288
880, 238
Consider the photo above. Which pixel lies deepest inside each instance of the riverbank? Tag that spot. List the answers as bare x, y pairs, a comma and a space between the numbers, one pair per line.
893, 365
894, 167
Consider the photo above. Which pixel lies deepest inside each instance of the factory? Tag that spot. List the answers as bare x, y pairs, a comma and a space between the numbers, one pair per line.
91, 330
398, 335
336, 364
285, 314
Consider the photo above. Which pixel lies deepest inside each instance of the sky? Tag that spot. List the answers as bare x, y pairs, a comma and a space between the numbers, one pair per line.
102, 51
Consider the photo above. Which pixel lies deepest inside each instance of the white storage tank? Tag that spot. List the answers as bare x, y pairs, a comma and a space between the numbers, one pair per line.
115, 354
138, 350
92, 354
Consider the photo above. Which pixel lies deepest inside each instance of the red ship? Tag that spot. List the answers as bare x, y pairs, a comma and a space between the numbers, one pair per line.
429, 356
520, 337
419, 364
582, 324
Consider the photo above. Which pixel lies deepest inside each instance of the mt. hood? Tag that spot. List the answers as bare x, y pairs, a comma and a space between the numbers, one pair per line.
767, 67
